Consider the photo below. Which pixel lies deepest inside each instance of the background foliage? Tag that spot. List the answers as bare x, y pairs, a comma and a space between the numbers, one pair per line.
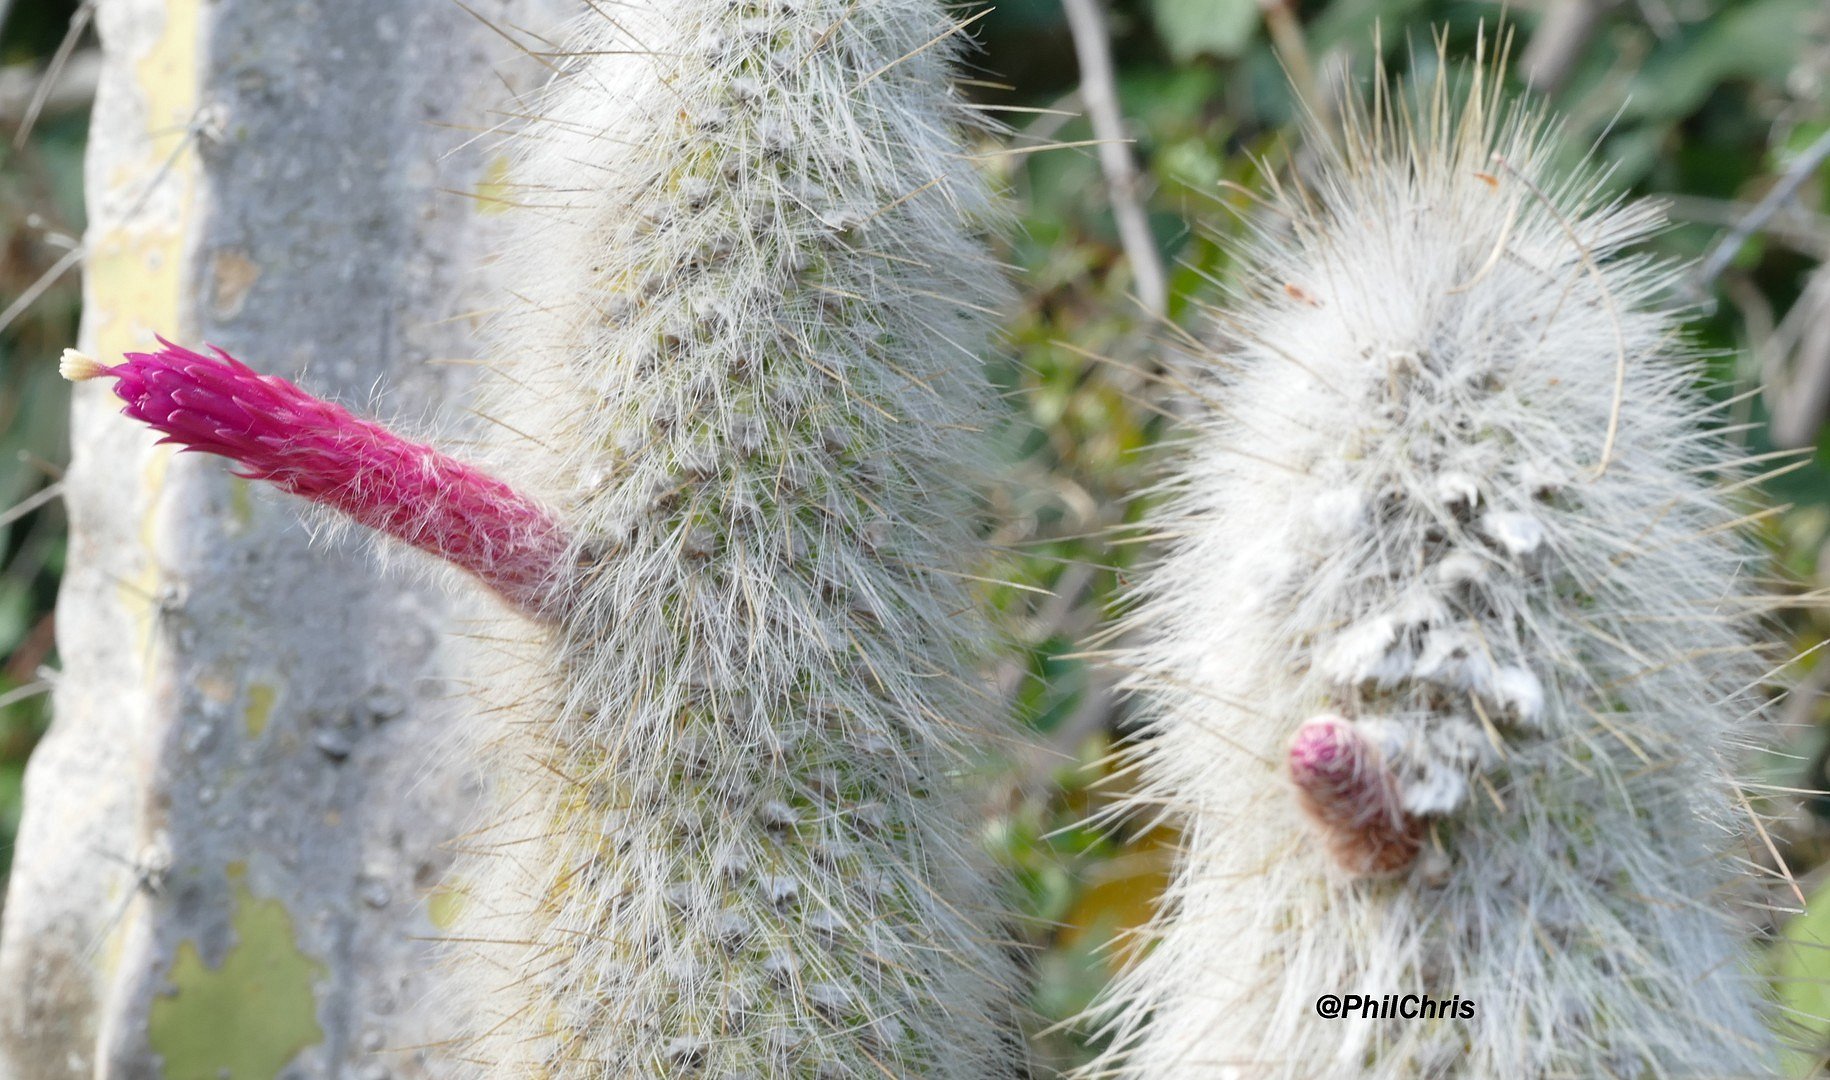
1704, 103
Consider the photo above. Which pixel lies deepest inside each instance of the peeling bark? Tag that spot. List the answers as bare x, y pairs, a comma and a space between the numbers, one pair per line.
235, 829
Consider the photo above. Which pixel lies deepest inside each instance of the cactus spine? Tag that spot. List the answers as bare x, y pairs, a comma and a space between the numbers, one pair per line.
1447, 665
741, 363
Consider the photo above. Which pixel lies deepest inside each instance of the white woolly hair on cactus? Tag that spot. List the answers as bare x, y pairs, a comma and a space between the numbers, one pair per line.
1446, 664
742, 365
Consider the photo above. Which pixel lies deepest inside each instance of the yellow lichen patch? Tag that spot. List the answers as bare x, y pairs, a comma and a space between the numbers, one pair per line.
259, 710
134, 283
444, 906
139, 595
495, 192
246, 1017
167, 75
241, 504
134, 268
135, 287
113, 943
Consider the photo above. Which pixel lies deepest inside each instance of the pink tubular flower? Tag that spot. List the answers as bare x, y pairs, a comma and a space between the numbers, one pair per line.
318, 450
1343, 786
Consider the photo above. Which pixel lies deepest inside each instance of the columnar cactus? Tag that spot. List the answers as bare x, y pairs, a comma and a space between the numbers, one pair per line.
1446, 665
741, 360
739, 392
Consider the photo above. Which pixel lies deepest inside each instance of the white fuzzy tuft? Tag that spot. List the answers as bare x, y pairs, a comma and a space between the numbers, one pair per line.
80, 366
1534, 620
750, 306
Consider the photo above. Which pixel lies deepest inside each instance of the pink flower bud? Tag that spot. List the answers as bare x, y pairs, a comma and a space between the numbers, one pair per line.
1343, 786
318, 450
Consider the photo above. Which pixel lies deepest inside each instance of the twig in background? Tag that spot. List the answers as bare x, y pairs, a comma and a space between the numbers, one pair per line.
205, 123
21, 303
51, 469
1789, 182
25, 693
1801, 701
1795, 226
31, 502
1098, 87
1061, 747
1799, 398
72, 90
1659, 17
1052, 619
1563, 34
78, 23
1293, 49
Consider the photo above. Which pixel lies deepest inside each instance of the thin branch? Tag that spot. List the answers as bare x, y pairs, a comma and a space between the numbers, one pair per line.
1729, 246
54, 73
1562, 36
199, 126
1098, 88
66, 262
1286, 30
73, 91
1091, 715
1794, 226
48, 493
1799, 399
24, 693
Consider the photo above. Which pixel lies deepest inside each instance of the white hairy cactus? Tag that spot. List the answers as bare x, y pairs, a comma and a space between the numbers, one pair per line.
741, 363
1447, 666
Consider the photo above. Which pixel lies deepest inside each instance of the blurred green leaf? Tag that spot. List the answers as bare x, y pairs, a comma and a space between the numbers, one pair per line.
1802, 962
1748, 41
1191, 28
17, 612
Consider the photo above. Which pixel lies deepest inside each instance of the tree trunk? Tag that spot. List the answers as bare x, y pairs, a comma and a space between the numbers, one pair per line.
235, 831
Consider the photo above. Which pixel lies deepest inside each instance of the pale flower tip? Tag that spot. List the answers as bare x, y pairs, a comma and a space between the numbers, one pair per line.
80, 366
